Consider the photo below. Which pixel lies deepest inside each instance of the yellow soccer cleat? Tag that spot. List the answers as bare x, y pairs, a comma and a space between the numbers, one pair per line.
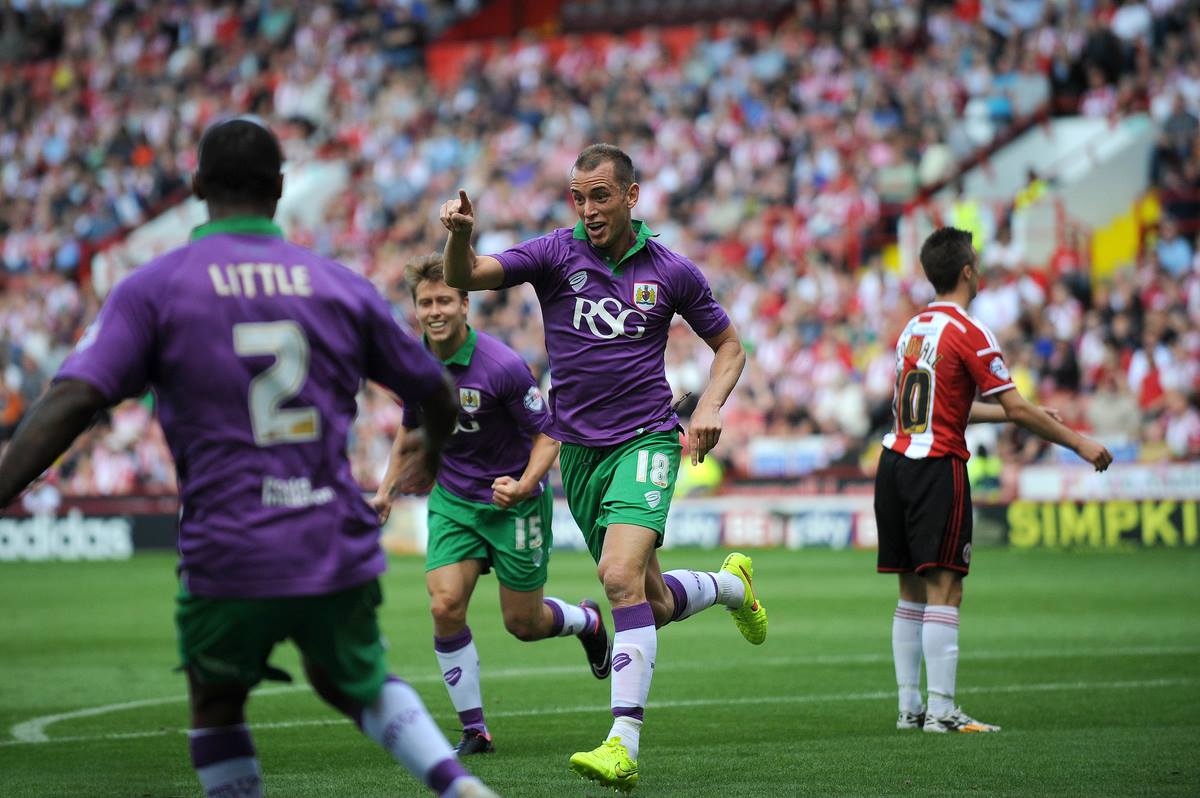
608, 765
751, 617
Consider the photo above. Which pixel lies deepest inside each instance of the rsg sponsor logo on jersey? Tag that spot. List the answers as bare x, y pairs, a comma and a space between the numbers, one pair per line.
607, 319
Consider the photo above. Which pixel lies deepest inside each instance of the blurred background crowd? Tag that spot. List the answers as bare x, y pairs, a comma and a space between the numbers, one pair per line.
776, 153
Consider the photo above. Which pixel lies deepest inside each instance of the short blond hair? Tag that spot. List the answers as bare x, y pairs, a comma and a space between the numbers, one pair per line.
426, 267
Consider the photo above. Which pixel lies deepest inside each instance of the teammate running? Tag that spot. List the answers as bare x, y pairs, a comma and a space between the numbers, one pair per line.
481, 516
255, 349
608, 293
922, 497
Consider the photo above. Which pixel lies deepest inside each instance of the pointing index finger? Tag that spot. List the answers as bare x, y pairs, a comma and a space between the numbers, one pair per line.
464, 204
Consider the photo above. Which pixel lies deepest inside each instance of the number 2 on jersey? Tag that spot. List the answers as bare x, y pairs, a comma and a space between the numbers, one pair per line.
286, 342
915, 391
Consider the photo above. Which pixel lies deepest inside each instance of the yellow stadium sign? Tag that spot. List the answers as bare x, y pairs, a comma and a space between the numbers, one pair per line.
1103, 524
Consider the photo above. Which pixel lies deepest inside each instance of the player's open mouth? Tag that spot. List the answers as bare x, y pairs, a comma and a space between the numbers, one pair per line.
595, 228
435, 326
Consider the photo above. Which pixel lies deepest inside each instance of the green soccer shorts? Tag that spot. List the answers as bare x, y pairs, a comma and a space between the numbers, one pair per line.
228, 640
515, 542
627, 483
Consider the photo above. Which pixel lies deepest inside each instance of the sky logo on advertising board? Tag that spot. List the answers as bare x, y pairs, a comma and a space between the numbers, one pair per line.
452, 676
621, 660
821, 528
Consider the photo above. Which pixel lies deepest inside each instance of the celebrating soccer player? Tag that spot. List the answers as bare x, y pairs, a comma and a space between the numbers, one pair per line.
608, 293
491, 507
922, 498
255, 349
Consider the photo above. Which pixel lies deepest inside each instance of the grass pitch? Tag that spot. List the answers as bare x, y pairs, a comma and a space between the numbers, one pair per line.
1090, 661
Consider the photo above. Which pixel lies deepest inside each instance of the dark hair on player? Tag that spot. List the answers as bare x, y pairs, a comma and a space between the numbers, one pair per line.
240, 161
943, 256
426, 267
596, 154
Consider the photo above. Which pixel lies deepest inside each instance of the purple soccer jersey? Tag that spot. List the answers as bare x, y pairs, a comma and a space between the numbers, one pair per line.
255, 349
501, 411
606, 329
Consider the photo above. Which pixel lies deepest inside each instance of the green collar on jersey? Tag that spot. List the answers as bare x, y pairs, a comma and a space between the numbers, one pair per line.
462, 357
239, 225
641, 230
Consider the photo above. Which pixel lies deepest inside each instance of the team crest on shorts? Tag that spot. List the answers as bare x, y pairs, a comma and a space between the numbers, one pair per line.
469, 399
967, 554
653, 497
645, 295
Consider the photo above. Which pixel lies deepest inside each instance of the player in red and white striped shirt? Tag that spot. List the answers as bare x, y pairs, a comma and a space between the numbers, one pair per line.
944, 358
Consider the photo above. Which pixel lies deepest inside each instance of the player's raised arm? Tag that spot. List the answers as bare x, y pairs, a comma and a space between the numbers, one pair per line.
728, 361
463, 268
52, 424
1040, 423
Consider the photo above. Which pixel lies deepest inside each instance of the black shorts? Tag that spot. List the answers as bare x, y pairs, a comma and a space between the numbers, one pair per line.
923, 511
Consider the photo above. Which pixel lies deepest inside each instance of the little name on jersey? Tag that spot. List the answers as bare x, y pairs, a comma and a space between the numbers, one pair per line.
260, 279
294, 492
923, 351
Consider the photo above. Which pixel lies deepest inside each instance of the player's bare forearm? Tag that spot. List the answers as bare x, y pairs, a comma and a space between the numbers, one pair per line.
541, 457
54, 421
458, 260
1037, 421
729, 358
986, 413
390, 485
1042, 424
463, 269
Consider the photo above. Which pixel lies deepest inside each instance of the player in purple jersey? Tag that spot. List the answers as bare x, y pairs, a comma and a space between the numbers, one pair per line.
255, 349
491, 507
608, 293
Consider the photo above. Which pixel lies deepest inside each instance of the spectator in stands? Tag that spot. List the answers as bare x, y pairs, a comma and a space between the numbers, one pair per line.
1174, 250
1113, 411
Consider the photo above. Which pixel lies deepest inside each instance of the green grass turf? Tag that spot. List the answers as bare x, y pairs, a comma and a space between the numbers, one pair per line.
1088, 660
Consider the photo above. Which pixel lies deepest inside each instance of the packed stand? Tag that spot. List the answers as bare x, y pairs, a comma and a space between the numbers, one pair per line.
768, 155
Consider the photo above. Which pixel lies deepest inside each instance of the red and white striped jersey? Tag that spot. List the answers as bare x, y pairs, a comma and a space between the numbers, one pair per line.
942, 358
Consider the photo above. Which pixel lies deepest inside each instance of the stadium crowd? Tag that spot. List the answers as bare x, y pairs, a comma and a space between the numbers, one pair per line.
772, 155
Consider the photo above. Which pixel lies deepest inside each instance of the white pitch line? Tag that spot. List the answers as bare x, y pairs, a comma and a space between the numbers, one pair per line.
878, 695
34, 730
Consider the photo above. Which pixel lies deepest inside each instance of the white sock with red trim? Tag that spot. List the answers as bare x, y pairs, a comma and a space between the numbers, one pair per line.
939, 642
906, 653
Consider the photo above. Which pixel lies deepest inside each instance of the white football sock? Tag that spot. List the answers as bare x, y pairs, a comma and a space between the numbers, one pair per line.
225, 762
693, 591
635, 645
399, 722
906, 653
569, 619
731, 591
939, 641
459, 661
